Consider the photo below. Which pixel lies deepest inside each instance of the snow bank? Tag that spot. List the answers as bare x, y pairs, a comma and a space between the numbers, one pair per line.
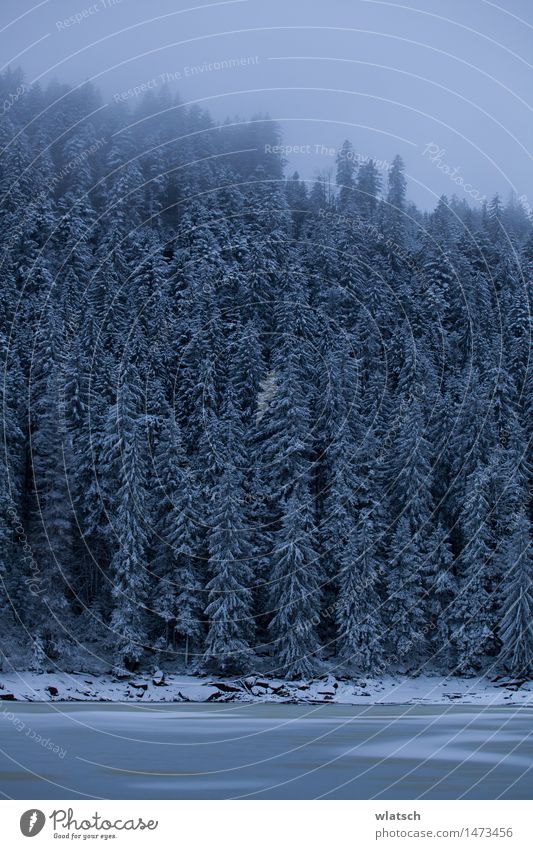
425, 689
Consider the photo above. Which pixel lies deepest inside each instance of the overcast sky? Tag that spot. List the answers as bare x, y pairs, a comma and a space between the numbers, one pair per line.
393, 77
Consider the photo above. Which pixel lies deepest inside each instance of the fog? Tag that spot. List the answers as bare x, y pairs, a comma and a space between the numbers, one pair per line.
448, 86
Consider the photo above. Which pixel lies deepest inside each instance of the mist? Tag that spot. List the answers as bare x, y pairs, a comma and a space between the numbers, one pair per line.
446, 87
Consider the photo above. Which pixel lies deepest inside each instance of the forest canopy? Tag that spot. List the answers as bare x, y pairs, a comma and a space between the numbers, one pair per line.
252, 421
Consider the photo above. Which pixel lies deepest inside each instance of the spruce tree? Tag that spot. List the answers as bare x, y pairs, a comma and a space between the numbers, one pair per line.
516, 623
130, 568
178, 597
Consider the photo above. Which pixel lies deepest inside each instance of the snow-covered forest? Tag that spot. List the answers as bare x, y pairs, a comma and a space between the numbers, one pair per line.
252, 422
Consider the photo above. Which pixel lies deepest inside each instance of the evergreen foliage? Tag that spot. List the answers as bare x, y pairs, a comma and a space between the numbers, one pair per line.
250, 422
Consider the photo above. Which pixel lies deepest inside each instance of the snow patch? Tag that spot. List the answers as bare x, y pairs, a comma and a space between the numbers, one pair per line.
397, 689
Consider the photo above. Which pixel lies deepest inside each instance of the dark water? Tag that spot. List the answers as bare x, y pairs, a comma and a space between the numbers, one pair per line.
264, 751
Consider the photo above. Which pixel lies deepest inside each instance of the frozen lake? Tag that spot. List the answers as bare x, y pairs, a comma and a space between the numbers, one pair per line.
217, 751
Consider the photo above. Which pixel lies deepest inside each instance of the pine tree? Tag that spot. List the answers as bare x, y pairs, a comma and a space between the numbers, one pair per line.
404, 606
367, 190
130, 567
295, 592
296, 192
178, 595
285, 473
51, 464
472, 635
359, 618
346, 174
229, 610
516, 625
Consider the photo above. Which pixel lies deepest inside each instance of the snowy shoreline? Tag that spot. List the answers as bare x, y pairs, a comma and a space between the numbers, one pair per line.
391, 689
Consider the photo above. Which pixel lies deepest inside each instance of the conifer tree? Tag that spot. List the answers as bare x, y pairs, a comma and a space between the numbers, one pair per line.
516, 626
229, 609
178, 597
130, 567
